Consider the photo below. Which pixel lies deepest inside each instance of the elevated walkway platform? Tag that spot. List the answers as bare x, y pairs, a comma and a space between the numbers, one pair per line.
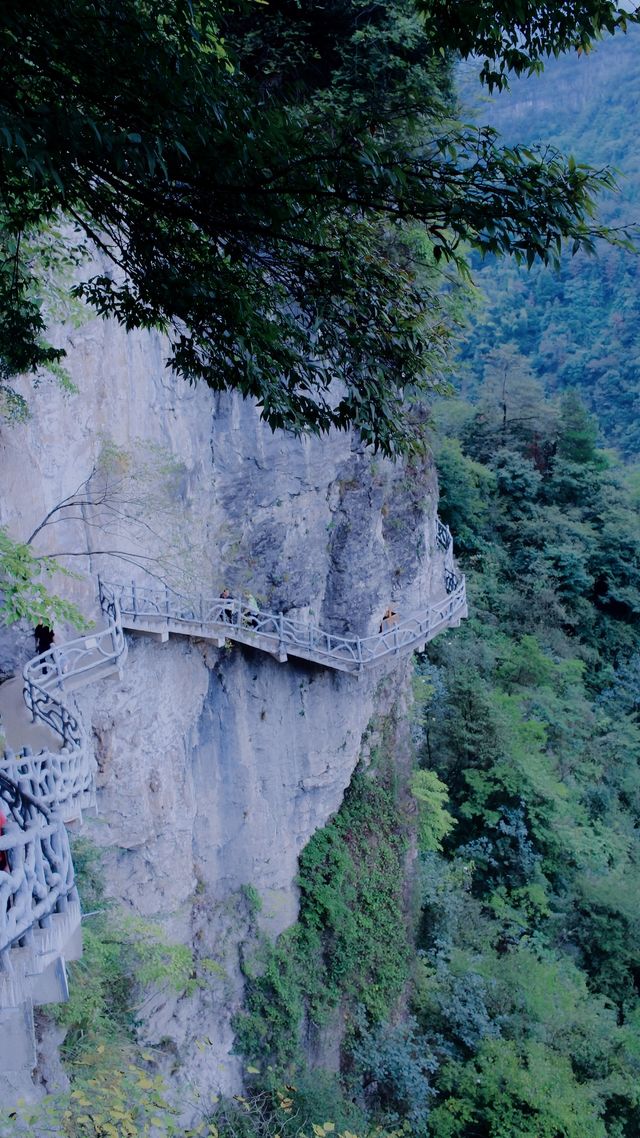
162, 613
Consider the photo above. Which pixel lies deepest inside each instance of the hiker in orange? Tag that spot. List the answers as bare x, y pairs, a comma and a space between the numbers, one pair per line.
389, 619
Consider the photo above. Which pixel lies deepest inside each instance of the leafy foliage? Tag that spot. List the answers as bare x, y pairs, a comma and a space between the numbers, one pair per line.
434, 820
121, 955
350, 944
517, 38
113, 1097
532, 1094
397, 1071
23, 596
275, 187
577, 327
526, 991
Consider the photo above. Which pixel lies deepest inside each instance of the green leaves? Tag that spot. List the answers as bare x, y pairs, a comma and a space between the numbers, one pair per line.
518, 36
434, 820
529, 933
531, 1092
256, 175
23, 596
348, 946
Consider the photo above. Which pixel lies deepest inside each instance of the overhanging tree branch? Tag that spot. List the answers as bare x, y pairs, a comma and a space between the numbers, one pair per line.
261, 220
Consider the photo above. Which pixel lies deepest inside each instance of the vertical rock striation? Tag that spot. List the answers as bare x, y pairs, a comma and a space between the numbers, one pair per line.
216, 766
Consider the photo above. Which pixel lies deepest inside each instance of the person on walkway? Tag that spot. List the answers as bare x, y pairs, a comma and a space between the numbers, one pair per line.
389, 619
227, 610
4, 861
44, 637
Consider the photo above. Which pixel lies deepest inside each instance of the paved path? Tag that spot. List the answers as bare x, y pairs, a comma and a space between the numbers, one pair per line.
163, 613
16, 725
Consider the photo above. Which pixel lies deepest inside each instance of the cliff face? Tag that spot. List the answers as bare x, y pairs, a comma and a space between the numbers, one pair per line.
215, 766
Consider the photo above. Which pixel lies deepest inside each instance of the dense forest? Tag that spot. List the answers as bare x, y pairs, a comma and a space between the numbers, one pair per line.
508, 1004
579, 327
519, 994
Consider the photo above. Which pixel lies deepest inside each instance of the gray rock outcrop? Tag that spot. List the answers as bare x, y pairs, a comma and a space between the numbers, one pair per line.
215, 766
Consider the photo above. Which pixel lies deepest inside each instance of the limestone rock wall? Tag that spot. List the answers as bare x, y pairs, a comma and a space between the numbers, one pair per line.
215, 766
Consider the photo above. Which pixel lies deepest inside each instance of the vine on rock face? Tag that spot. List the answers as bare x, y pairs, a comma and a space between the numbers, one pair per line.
349, 947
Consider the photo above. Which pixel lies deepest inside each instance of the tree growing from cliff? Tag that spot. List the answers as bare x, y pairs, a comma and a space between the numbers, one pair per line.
23, 592
277, 187
129, 509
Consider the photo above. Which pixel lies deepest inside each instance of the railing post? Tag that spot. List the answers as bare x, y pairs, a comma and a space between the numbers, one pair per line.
134, 600
32, 703
55, 652
167, 605
115, 647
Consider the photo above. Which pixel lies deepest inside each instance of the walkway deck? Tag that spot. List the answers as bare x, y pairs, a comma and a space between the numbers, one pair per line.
39, 792
164, 613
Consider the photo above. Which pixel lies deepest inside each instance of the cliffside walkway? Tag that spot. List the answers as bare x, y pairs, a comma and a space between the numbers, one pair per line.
163, 613
38, 900
40, 792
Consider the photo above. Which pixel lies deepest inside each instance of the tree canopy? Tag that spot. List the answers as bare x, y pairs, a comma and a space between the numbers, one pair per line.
517, 37
579, 327
276, 186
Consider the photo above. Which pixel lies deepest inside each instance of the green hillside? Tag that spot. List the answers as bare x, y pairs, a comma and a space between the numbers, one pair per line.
578, 327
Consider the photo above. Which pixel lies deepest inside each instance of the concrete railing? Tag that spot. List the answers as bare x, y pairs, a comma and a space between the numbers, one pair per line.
65, 777
39, 905
39, 792
61, 780
50, 675
162, 611
443, 535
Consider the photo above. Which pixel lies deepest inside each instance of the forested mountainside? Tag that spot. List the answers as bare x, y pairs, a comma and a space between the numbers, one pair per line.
580, 327
517, 973
506, 1001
